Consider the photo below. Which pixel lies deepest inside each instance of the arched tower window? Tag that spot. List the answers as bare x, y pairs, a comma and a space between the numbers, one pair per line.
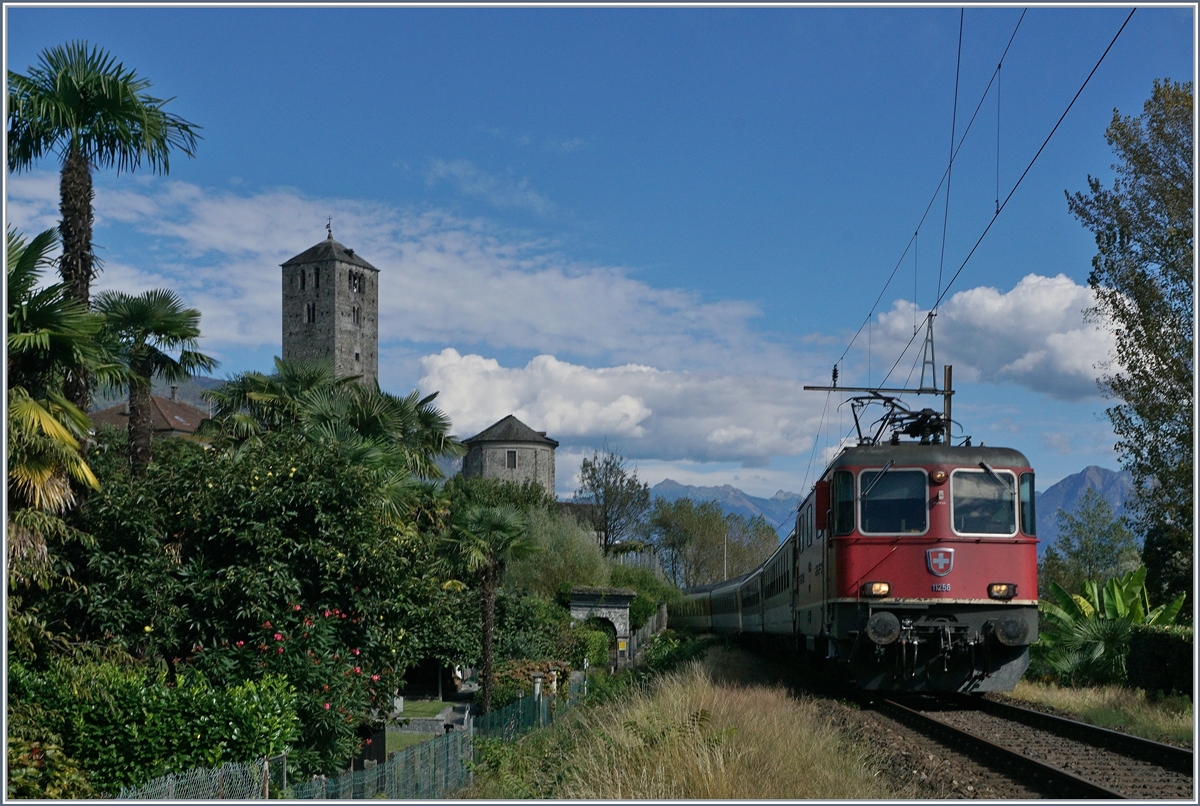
316, 277
303, 277
310, 312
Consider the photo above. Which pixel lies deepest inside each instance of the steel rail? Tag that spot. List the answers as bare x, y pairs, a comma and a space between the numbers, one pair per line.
1176, 759
1053, 781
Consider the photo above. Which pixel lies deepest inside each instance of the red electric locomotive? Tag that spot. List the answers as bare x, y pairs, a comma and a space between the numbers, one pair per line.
912, 565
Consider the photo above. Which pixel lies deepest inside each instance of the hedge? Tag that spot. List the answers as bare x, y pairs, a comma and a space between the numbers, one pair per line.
1160, 659
125, 726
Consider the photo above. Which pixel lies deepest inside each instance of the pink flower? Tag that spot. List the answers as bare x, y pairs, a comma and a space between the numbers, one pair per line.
326, 706
279, 650
241, 643
266, 624
327, 614
357, 670
355, 651
278, 636
374, 677
297, 607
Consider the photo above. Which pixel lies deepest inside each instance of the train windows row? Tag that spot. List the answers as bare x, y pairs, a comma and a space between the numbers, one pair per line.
893, 501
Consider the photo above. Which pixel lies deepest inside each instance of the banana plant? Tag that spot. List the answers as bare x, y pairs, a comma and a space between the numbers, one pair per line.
1086, 635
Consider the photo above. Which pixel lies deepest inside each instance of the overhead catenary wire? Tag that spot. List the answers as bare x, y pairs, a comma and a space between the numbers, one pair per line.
1020, 179
962, 13
933, 198
999, 208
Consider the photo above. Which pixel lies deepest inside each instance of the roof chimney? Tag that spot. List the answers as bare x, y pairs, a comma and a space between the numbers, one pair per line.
174, 392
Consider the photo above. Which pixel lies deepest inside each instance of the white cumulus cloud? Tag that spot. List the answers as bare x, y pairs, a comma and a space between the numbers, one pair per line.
1033, 335
650, 412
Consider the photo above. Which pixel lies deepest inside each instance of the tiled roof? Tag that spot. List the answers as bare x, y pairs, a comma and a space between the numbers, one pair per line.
329, 249
165, 415
510, 429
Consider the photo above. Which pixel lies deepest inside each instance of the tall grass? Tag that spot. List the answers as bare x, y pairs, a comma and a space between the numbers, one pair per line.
686, 737
1167, 719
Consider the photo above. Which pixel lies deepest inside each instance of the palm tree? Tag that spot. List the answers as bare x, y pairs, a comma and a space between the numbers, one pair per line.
400, 435
46, 333
482, 542
82, 104
144, 326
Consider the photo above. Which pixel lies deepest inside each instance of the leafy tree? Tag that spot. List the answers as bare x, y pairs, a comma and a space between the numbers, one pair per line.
1091, 544
1142, 277
81, 103
143, 328
205, 548
617, 500
700, 544
568, 556
483, 541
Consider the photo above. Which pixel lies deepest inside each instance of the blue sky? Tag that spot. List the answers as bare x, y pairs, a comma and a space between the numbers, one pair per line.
650, 226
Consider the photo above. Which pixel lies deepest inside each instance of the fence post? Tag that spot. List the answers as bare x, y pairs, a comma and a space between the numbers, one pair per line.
266, 771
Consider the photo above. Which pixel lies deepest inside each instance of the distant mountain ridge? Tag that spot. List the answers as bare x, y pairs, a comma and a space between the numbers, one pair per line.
779, 510
1116, 487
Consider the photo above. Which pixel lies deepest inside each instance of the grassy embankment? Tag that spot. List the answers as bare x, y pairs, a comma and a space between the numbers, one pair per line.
1166, 719
685, 736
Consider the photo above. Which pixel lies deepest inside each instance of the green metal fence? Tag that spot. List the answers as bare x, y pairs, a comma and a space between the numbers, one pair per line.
428, 770
527, 713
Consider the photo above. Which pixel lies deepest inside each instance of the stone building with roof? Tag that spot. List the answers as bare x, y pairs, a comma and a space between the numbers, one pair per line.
169, 417
331, 309
512, 451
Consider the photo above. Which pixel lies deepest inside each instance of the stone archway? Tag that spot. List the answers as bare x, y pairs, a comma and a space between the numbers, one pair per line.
610, 604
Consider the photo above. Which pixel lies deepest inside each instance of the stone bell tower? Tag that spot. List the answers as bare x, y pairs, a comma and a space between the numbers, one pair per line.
331, 309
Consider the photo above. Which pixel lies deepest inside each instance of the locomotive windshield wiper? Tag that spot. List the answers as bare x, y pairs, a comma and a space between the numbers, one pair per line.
1002, 479
875, 480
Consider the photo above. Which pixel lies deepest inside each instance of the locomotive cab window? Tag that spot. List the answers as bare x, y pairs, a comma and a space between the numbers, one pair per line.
983, 503
893, 502
1028, 516
842, 504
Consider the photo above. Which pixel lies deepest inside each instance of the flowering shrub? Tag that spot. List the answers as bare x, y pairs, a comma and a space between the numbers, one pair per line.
336, 686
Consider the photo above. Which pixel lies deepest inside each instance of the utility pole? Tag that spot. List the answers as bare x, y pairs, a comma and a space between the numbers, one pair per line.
727, 554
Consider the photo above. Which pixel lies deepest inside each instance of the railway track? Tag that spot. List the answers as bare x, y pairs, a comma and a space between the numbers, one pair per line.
1055, 757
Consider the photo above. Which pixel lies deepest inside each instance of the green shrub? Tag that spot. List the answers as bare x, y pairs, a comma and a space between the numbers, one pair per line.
592, 645
43, 770
652, 590
124, 725
1160, 659
569, 556
530, 626
669, 650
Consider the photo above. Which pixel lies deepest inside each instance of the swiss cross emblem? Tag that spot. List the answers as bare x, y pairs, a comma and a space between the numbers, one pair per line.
939, 561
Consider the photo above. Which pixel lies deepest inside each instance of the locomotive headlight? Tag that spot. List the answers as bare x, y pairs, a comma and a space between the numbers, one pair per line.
876, 588
937, 476
1002, 590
